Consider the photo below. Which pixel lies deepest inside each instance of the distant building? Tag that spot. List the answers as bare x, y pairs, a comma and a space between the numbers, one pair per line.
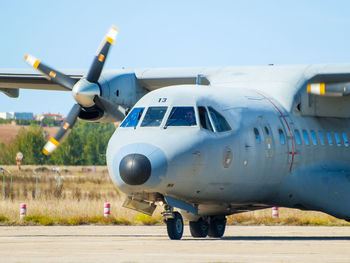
17, 115
52, 116
6, 115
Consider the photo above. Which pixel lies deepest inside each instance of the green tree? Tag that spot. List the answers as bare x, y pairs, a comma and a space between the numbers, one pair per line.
70, 151
85, 145
29, 142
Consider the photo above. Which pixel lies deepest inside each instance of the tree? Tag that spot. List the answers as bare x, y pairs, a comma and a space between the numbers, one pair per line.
85, 145
29, 142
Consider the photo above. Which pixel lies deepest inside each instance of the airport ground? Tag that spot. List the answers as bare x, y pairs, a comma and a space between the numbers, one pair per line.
151, 244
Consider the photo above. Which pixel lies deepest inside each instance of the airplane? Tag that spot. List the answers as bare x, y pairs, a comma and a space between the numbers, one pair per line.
205, 143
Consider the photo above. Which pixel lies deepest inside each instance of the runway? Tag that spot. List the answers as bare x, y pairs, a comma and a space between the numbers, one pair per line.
151, 244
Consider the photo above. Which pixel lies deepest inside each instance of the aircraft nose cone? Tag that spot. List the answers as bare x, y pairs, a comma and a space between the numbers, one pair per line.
135, 169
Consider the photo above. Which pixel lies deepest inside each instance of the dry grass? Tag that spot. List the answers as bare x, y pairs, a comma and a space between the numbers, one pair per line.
287, 216
80, 200
9, 132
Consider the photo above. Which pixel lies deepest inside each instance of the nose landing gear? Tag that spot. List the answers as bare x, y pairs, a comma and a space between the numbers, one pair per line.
174, 223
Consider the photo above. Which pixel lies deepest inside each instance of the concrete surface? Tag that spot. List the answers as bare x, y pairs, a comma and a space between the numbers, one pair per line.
151, 244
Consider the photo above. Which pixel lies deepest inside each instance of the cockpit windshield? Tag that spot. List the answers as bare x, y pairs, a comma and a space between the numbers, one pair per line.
182, 116
220, 123
133, 118
154, 116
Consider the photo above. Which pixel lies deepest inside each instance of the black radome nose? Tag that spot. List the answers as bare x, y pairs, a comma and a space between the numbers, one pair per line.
135, 169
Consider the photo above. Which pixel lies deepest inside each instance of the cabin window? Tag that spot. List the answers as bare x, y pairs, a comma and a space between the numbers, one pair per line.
282, 137
306, 137
321, 136
220, 122
267, 132
133, 118
297, 136
181, 116
345, 139
257, 135
337, 139
313, 137
330, 138
153, 117
204, 118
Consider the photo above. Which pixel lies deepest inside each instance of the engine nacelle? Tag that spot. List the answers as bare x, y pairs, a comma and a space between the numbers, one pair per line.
119, 92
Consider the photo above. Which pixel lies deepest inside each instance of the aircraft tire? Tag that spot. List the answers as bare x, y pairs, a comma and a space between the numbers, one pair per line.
175, 226
217, 226
199, 228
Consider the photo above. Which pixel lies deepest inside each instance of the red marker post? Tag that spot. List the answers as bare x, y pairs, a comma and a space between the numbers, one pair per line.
23, 211
107, 209
275, 212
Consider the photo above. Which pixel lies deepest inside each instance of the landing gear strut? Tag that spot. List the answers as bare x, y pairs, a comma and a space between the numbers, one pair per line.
174, 223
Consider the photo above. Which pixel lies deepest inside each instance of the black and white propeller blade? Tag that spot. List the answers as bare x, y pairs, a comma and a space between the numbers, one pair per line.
97, 65
54, 75
55, 141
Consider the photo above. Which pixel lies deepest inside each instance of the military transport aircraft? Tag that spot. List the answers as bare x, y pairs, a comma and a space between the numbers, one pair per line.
212, 142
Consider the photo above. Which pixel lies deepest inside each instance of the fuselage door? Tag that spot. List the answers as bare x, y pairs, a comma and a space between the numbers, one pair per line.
292, 152
268, 137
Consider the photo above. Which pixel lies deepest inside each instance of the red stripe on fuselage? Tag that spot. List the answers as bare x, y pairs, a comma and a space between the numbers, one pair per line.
289, 130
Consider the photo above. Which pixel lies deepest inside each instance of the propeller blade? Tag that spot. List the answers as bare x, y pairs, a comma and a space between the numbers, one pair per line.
99, 102
101, 55
114, 110
54, 75
55, 141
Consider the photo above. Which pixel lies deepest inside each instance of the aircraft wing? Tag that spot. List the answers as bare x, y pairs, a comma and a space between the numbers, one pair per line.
326, 95
153, 79
14, 79
335, 84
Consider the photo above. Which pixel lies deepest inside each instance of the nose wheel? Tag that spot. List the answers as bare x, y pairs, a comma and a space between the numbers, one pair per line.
175, 226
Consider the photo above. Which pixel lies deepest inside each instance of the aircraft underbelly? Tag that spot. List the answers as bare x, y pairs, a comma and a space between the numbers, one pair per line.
315, 188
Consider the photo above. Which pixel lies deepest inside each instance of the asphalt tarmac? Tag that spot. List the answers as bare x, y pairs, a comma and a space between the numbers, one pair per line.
151, 244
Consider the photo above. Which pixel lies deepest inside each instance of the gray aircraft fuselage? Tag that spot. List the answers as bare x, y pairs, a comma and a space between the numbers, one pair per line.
240, 169
246, 139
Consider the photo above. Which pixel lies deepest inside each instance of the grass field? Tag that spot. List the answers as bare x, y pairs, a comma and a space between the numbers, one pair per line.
83, 191
9, 132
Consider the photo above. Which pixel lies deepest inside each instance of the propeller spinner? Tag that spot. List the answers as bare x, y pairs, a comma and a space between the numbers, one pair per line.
86, 91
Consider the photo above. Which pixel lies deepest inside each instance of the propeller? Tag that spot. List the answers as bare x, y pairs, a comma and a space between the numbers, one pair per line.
86, 91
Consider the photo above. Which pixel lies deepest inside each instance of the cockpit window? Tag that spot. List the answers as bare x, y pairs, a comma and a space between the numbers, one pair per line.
204, 118
154, 116
220, 123
133, 118
181, 116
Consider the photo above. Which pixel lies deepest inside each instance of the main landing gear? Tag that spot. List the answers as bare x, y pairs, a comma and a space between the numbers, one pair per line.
213, 226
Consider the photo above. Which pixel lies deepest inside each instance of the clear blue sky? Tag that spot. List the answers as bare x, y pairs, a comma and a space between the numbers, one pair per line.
66, 34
